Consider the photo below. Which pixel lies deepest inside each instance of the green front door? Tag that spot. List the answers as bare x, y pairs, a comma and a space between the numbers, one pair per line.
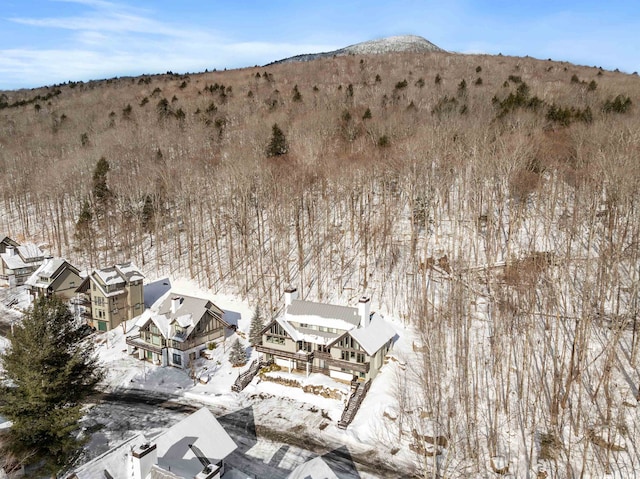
102, 325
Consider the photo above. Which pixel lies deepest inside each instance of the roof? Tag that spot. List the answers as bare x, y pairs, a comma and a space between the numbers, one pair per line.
13, 261
112, 276
189, 313
8, 241
51, 268
30, 252
116, 461
179, 449
316, 468
199, 434
373, 336
321, 314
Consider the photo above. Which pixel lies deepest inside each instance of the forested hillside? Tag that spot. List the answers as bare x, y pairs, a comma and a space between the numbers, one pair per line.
490, 202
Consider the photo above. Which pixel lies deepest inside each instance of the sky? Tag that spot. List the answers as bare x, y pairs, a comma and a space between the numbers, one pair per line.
43, 42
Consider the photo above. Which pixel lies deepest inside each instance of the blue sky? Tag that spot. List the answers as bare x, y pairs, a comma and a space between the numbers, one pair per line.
52, 41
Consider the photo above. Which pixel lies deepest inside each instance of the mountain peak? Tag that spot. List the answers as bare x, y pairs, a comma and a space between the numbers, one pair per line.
395, 44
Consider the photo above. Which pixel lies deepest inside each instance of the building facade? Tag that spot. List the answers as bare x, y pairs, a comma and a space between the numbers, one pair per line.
339, 341
112, 295
178, 332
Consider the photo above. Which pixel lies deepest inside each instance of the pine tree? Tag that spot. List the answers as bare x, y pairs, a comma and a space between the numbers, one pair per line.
278, 144
52, 371
100, 189
238, 354
255, 330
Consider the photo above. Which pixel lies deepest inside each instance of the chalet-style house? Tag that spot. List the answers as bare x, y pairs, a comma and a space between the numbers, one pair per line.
194, 448
7, 242
342, 342
55, 276
112, 295
178, 332
17, 263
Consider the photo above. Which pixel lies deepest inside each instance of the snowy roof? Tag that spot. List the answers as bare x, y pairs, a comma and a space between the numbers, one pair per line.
316, 468
321, 314
308, 335
116, 461
120, 273
30, 252
129, 271
13, 261
373, 336
47, 270
199, 434
188, 314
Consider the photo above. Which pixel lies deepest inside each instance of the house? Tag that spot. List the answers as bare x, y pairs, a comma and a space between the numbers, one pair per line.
17, 263
196, 447
178, 332
7, 242
342, 342
112, 295
54, 276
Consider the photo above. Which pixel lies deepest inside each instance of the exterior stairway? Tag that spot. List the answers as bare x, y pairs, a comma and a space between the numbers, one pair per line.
353, 405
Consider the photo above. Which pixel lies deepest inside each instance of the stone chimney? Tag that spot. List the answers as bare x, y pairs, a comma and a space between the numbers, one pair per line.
364, 310
144, 457
176, 301
289, 295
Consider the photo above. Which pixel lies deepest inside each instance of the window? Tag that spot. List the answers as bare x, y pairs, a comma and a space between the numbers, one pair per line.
137, 305
360, 358
275, 339
177, 359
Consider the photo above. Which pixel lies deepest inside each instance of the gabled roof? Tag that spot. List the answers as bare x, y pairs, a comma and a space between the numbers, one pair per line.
198, 435
189, 313
321, 314
50, 268
116, 461
8, 241
373, 336
112, 276
30, 251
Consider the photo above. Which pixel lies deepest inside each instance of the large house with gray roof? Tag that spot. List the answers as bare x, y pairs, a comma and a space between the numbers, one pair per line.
340, 341
112, 295
178, 331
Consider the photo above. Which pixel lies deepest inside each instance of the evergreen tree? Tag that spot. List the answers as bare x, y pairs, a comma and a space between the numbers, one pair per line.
100, 189
238, 354
256, 327
278, 144
51, 372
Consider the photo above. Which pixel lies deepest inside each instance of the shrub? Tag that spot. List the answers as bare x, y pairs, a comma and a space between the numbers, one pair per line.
383, 141
478, 81
367, 114
296, 96
420, 82
478, 69
620, 104
401, 84
438, 79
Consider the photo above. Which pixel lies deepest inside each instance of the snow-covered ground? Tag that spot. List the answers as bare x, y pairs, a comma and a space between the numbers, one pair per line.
276, 407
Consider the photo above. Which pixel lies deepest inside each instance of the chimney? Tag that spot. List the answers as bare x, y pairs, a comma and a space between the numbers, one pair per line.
289, 295
364, 311
144, 457
176, 301
11, 251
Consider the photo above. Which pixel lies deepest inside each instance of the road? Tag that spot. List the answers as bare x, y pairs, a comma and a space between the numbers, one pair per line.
262, 453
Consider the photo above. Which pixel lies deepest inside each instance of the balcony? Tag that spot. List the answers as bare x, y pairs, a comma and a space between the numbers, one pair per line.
341, 363
299, 356
138, 342
195, 342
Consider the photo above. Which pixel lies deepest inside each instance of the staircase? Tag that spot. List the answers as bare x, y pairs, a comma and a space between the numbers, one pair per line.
353, 405
246, 377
